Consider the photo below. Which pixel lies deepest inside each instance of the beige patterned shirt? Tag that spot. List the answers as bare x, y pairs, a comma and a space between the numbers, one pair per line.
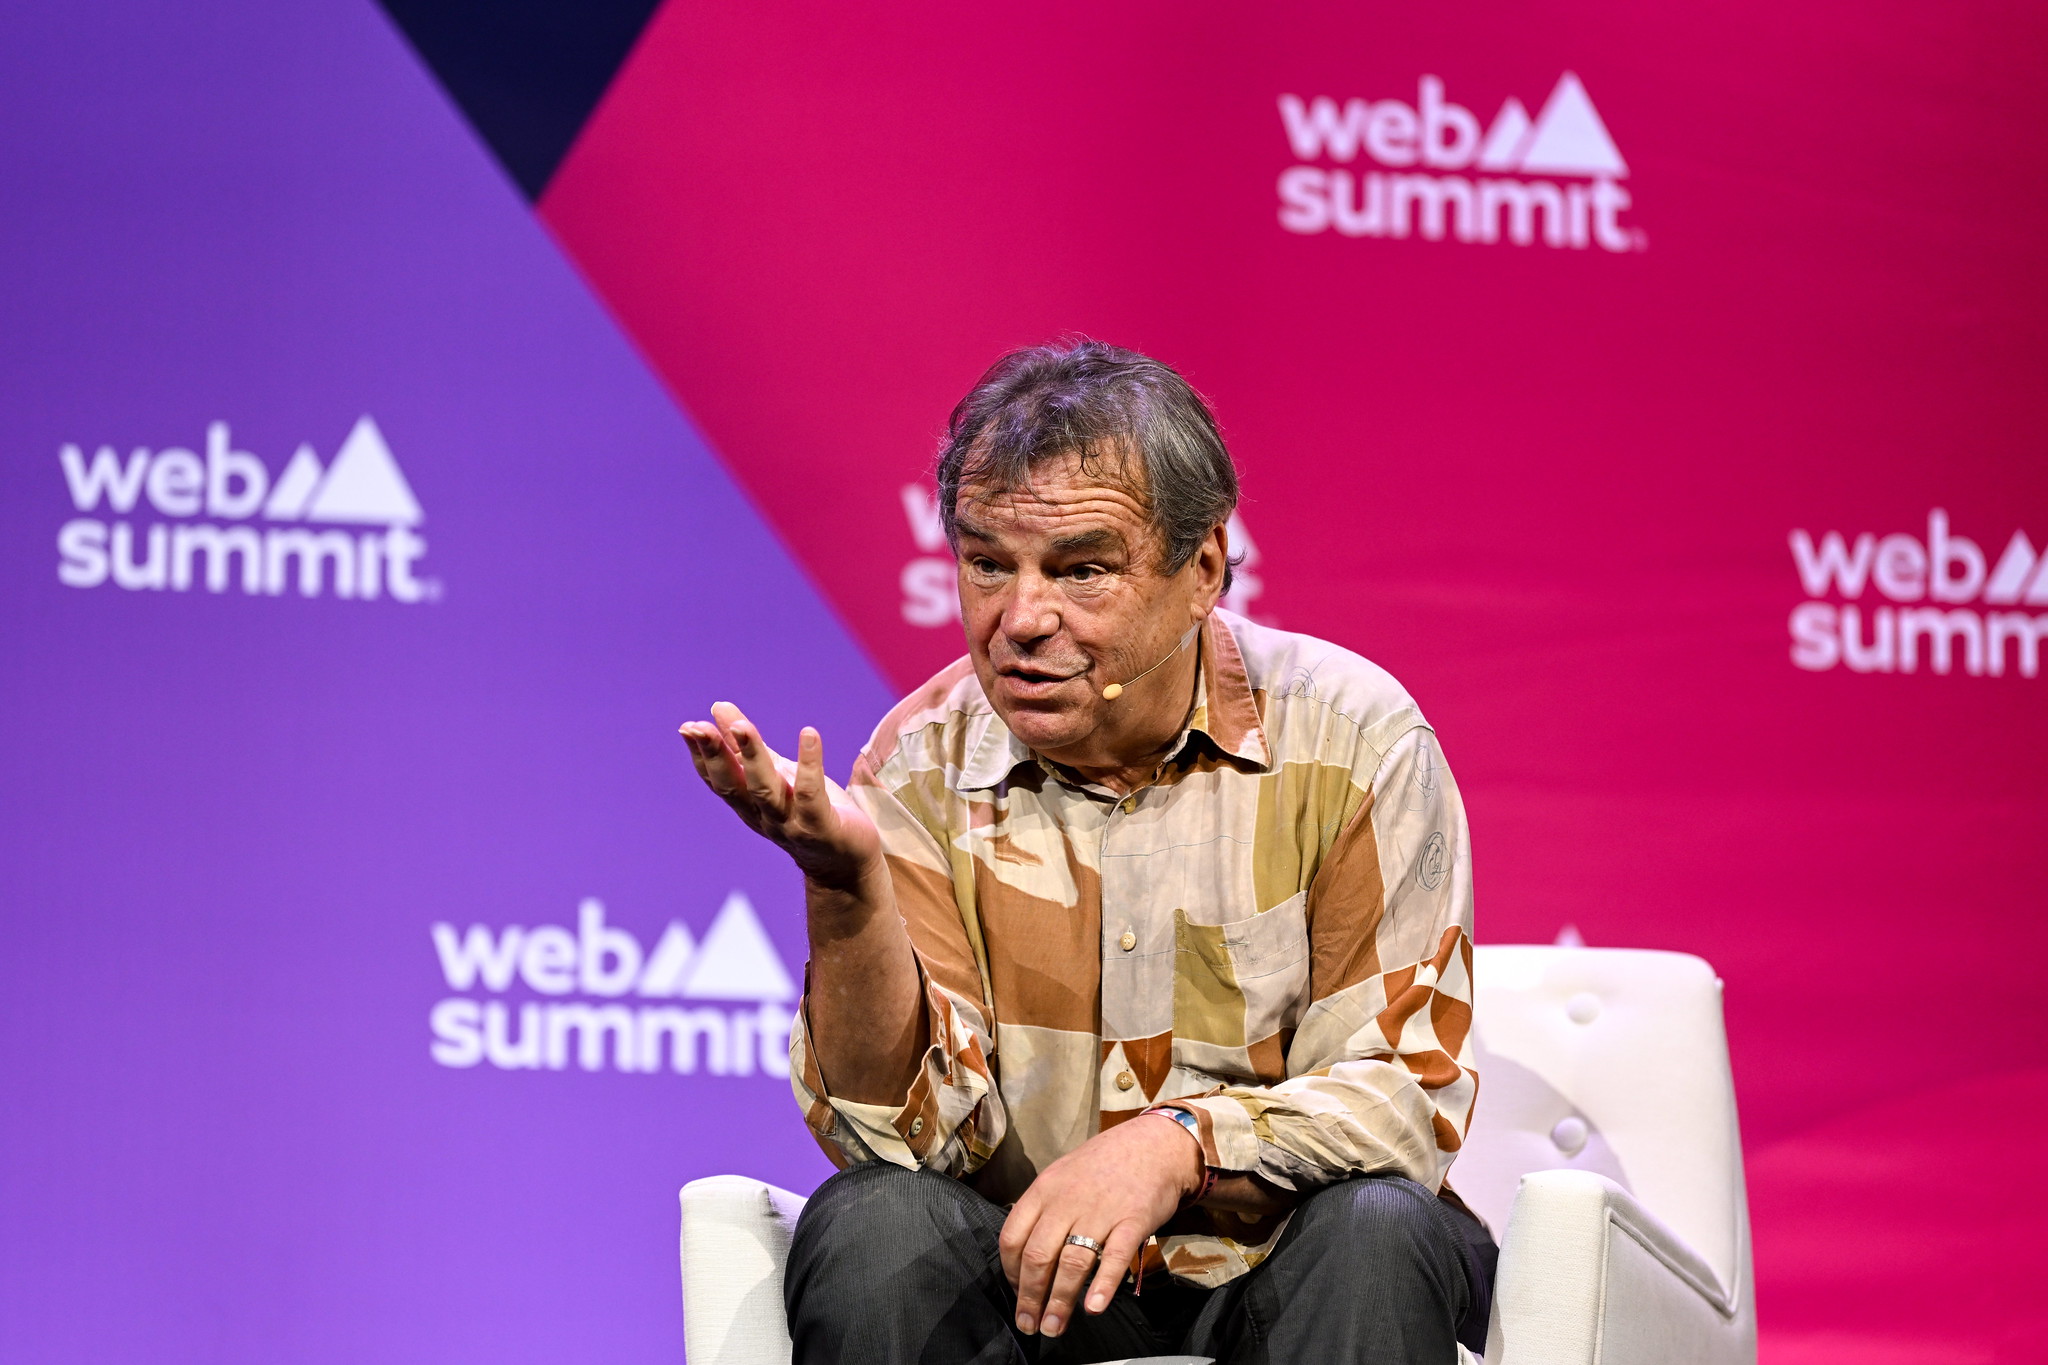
1276, 932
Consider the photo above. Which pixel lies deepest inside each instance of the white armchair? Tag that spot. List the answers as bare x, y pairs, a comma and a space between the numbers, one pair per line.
1604, 1154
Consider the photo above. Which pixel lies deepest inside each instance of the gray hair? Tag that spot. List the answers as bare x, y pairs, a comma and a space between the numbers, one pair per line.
1104, 404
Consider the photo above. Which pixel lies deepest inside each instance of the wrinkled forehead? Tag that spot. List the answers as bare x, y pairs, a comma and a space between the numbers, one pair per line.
1057, 499
1048, 483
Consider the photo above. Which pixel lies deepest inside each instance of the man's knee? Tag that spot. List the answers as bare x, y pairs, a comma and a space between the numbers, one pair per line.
1371, 1212
879, 1205
1387, 1230
881, 1254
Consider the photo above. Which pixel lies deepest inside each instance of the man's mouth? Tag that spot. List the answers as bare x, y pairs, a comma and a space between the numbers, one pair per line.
1032, 680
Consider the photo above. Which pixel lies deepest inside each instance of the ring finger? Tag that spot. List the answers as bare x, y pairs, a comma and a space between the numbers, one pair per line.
721, 762
1076, 1265
715, 764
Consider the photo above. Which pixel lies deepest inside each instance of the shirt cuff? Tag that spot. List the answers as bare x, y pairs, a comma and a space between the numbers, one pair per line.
1229, 1140
931, 1126
878, 1126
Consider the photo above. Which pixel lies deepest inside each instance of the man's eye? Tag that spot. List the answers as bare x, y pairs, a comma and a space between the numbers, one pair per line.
984, 567
1085, 573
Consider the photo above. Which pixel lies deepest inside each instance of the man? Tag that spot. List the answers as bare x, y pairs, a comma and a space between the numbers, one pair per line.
1140, 980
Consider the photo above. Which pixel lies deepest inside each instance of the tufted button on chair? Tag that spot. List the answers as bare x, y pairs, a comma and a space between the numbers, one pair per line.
1604, 1154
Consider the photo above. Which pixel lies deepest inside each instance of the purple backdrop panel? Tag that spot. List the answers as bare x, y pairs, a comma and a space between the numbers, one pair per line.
375, 969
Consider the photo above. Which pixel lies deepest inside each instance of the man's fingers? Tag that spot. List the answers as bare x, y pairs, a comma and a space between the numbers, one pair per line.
718, 765
1015, 1235
765, 782
812, 802
1118, 1255
696, 747
730, 721
703, 752
1037, 1264
1069, 1275
755, 761
725, 761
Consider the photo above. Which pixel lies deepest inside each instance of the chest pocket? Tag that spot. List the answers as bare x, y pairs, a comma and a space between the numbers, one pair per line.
1237, 985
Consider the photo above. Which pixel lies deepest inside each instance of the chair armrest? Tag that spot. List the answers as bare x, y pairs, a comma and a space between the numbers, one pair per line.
735, 1243
1587, 1275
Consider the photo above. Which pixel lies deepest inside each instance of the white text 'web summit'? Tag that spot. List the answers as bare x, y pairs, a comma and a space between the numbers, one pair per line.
1554, 180
171, 520
630, 1014
1900, 604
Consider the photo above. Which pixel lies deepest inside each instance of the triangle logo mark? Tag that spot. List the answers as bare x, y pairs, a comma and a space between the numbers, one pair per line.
736, 961
1502, 150
1569, 138
295, 486
364, 485
2037, 591
2008, 581
669, 962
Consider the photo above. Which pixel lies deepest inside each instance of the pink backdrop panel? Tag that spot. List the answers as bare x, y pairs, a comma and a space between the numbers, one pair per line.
1554, 421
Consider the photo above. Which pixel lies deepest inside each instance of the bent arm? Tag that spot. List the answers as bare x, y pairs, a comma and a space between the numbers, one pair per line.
864, 994
864, 1005
1247, 1196
946, 1115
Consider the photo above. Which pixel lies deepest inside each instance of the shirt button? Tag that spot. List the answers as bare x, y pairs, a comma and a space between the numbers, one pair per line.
916, 1127
1128, 941
1130, 804
1125, 1080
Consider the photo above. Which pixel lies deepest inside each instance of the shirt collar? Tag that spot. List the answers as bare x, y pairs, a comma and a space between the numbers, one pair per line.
1226, 715
992, 757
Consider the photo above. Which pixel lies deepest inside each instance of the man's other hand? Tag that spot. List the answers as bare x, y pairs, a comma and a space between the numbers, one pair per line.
1117, 1188
794, 804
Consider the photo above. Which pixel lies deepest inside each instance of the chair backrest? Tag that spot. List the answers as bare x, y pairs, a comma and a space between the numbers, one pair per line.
1611, 1060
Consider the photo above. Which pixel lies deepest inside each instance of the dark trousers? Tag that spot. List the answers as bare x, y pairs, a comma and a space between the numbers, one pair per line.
892, 1267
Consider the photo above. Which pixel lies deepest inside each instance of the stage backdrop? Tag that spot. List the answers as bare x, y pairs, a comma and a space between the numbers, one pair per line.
1658, 394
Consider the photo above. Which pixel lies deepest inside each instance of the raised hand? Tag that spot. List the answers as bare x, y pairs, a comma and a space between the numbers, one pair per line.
793, 804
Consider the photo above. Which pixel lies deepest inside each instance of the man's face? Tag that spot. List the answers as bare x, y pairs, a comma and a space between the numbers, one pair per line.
1063, 591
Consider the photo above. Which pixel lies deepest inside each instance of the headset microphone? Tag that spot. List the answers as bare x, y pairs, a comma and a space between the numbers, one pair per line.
1115, 690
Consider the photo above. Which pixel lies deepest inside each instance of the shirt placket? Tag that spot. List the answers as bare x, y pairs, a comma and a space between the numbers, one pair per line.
1133, 936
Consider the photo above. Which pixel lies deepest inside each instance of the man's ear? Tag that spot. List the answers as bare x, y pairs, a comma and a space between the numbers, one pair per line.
1210, 565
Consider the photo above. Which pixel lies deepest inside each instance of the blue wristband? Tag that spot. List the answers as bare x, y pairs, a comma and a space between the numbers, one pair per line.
1183, 1118
1194, 1127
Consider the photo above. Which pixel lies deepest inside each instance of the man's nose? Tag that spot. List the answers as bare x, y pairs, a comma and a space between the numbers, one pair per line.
1032, 613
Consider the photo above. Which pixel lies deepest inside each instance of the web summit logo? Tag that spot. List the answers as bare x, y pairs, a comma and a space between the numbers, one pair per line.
363, 487
1976, 621
1578, 202
606, 966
